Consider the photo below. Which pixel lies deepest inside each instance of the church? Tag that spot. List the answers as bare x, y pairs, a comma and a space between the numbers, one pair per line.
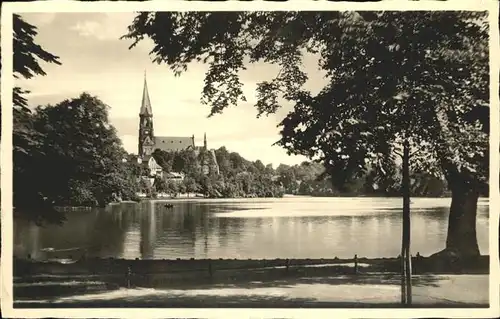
148, 142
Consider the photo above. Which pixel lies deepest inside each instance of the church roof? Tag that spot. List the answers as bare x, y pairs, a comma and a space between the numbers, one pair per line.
146, 103
174, 143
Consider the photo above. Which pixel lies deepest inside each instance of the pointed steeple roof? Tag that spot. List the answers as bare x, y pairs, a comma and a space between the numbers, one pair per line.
146, 103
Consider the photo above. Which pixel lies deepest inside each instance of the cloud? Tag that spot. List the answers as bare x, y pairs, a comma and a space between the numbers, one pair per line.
40, 19
35, 100
103, 26
89, 29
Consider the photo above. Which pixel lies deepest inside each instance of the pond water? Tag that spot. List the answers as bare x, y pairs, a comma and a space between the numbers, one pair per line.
291, 227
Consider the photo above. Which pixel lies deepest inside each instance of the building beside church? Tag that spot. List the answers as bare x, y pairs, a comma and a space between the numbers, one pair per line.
148, 142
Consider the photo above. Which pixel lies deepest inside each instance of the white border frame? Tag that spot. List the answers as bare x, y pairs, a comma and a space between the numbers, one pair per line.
6, 289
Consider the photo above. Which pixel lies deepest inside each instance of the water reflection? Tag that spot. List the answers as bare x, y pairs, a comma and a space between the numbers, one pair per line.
287, 228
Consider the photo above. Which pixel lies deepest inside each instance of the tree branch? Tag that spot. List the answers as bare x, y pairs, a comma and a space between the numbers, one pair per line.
416, 152
398, 153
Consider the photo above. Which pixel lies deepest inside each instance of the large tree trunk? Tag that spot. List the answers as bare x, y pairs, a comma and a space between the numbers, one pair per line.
462, 239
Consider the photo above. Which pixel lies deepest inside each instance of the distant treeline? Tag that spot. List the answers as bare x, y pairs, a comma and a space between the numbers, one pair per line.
240, 177
309, 178
237, 177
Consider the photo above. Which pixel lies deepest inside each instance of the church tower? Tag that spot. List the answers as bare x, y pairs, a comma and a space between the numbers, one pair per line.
146, 135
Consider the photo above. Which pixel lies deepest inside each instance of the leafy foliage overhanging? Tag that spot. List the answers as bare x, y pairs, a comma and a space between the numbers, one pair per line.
413, 77
421, 76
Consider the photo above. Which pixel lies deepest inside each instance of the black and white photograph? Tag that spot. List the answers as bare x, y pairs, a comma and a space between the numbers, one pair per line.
284, 157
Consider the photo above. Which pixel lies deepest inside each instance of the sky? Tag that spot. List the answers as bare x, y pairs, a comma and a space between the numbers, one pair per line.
96, 61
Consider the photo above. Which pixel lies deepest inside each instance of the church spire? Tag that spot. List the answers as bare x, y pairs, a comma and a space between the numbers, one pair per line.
205, 141
146, 103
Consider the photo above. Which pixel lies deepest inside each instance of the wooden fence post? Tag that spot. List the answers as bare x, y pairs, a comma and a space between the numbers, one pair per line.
129, 275
356, 264
416, 264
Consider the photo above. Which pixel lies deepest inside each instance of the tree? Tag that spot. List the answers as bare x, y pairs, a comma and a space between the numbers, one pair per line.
131, 172
172, 187
288, 180
179, 163
164, 159
393, 77
238, 163
269, 169
259, 166
81, 160
27, 55
223, 160
145, 186
160, 185
185, 161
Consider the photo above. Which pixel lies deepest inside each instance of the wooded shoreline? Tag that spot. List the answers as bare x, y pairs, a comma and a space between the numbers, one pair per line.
182, 199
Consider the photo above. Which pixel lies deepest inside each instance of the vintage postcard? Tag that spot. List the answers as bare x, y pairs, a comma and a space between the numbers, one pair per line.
253, 159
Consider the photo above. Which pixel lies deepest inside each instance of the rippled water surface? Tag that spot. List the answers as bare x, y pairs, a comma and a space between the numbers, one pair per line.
294, 227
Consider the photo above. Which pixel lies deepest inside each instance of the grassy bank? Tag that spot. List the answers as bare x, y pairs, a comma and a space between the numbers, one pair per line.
202, 267
270, 289
49, 280
479, 265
